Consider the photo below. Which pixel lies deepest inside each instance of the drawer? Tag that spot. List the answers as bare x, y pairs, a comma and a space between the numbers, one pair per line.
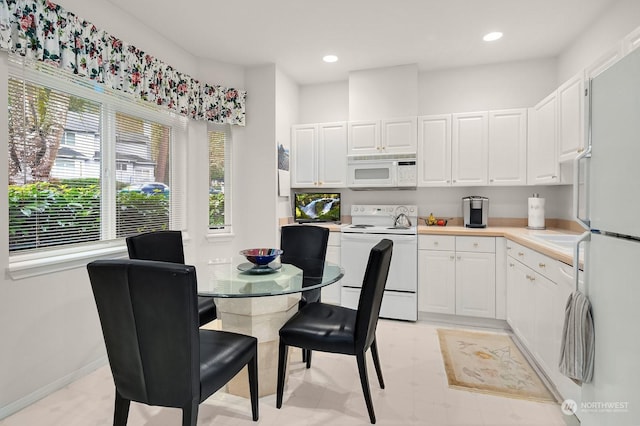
542, 264
436, 242
520, 253
476, 244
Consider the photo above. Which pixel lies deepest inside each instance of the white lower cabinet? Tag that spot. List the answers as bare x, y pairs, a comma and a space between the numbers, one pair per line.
457, 275
536, 297
331, 293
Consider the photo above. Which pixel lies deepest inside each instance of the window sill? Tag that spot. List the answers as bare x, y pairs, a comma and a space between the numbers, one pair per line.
30, 265
219, 237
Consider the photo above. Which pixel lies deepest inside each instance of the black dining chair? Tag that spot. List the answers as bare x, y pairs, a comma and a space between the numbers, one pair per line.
330, 328
157, 353
299, 244
166, 246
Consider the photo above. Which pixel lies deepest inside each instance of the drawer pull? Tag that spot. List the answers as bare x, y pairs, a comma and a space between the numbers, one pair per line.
511, 265
459, 258
508, 248
520, 253
435, 243
542, 265
475, 244
451, 257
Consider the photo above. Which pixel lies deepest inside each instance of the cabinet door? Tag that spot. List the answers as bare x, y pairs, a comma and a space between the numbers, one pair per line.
544, 343
434, 150
469, 149
571, 120
476, 284
399, 136
304, 156
542, 150
436, 281
508, 147
364, 138
332, 155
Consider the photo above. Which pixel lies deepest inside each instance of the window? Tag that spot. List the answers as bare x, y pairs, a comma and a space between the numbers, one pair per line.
219, 178
84, 165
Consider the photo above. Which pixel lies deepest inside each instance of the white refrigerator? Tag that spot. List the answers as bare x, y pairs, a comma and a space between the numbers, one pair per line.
612, 246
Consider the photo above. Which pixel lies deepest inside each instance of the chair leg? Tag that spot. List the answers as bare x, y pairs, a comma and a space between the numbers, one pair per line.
376, 362
308, 351
304, 355
364, 380
121, 410
190, 413
282, 369
253, 386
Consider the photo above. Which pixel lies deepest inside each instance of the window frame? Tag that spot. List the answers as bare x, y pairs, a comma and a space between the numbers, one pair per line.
227, 229
41, 261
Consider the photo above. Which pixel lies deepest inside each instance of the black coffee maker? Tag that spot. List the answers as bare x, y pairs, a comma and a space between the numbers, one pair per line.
475, 211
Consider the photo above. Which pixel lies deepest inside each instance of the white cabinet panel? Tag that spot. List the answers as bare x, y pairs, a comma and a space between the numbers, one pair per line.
399, 136
437, 288
364, 137
475, 284
542, 149
303, 164
571, 118
469, 149
332, 155
508, 147
434, 150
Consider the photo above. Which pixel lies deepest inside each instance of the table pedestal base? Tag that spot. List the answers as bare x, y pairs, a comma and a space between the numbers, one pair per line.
261, 317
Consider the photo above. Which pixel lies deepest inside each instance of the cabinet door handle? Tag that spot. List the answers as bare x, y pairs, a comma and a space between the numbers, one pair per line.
511, 265
491, 180
451, 257
541, 265
509, 248
459, 258
533, 278
580, 150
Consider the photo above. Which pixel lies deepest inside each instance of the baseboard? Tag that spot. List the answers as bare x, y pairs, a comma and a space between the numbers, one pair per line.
466, 321
27, 400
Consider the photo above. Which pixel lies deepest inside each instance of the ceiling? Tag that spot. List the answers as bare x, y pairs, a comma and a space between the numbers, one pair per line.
435, 34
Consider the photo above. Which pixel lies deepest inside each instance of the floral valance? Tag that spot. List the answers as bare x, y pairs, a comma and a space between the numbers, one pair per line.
43, 31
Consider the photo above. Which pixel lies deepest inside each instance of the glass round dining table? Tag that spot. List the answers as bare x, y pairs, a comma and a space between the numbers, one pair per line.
240, 291
237, 278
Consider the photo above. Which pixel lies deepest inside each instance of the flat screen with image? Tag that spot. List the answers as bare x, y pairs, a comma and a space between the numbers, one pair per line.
316, 207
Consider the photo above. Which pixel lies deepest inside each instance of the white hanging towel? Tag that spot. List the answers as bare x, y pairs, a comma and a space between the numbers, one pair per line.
577, 346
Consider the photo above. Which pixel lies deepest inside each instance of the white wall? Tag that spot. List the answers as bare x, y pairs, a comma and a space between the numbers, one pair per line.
383, 93
324, 103
619, 20
507, 85
287, 98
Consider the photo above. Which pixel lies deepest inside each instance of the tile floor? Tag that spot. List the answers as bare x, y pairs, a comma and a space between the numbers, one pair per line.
329, 393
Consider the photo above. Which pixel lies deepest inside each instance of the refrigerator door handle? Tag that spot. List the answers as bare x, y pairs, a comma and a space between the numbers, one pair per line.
576, 257
586, 154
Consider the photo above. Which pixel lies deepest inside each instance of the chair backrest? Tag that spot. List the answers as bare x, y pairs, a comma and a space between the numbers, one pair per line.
164, 246
375, 279
149, 318
304, 241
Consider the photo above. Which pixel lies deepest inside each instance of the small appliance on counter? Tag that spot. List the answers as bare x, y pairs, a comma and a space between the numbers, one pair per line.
536, 212
475, 211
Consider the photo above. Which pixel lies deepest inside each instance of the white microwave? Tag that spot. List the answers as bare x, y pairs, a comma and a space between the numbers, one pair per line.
371, 174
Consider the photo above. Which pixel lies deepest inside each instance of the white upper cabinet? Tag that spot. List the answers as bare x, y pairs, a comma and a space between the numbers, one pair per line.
364, 137
508, 147
469, 151
390, 136
399, 136
571, 118
319, 155
434, 150
303, 158
542, 148
332, 155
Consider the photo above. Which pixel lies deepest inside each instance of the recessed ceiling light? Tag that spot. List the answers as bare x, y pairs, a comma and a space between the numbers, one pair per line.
330, 58
492, 36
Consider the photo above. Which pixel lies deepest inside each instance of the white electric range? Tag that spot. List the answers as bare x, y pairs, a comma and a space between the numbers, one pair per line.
369, 225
